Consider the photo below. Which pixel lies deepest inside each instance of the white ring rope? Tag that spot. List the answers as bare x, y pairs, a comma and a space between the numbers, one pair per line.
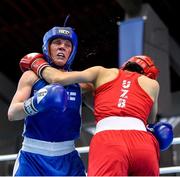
176, 140
85, 149
166, 170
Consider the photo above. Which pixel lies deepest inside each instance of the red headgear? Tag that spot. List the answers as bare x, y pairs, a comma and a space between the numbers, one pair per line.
147, 64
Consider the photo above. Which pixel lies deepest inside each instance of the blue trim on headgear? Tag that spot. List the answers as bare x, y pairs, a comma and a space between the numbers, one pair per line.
60, 32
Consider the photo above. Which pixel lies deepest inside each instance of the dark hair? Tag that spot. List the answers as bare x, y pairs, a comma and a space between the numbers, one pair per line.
134, 67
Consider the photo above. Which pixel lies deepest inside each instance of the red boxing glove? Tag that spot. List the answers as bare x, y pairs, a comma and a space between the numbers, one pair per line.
34, 62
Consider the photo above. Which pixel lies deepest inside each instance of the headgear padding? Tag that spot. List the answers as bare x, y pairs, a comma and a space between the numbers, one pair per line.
60, 32
147, 64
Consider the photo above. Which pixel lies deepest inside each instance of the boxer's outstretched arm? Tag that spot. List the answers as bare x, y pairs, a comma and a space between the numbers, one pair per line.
53, 75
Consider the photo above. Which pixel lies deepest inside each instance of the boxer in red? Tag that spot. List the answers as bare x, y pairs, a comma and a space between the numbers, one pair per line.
125, 102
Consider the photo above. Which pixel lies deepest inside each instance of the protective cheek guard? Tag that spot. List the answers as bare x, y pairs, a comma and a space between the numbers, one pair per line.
163, 133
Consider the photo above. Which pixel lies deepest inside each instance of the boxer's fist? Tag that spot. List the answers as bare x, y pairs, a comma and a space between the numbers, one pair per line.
34, 62
163, 133
50, 97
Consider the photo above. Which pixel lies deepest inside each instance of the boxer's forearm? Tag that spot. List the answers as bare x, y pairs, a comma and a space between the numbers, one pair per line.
53, 75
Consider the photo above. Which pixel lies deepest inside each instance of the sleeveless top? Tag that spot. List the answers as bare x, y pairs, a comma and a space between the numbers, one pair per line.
56, 126
122, 97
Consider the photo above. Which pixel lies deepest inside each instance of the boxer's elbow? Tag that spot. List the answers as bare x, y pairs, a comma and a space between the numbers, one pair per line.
10, 115
14, 114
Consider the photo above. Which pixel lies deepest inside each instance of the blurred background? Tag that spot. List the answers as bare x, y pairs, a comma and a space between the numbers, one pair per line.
98, 25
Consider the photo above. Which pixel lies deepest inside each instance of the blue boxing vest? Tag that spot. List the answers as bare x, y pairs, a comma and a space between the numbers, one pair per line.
56, 126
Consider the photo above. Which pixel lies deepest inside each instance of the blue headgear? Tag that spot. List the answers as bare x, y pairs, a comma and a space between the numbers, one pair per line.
60, 32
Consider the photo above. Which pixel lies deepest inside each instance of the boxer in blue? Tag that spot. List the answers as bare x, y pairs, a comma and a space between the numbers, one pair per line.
51, 113
115, 162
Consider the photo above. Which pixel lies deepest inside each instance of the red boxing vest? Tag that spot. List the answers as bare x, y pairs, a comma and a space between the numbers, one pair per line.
122, 97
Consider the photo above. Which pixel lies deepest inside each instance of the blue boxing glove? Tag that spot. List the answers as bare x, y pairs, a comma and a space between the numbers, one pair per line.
163, 133
51, 96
